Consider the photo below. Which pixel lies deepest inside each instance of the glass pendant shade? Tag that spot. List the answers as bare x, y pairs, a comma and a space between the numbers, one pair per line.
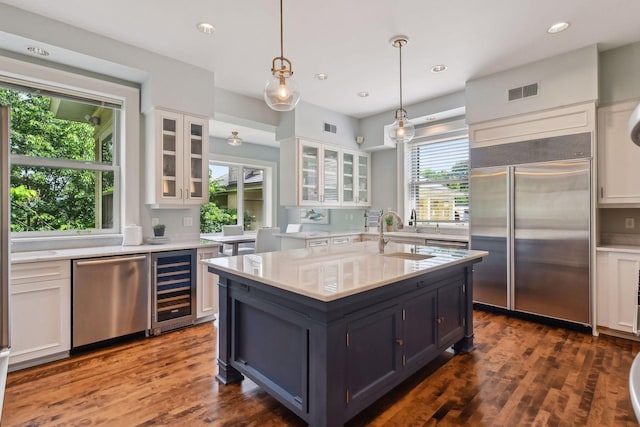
234, 139
402, 130
281, 93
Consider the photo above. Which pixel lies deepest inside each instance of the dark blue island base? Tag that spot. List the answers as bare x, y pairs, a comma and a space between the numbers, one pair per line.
327, 361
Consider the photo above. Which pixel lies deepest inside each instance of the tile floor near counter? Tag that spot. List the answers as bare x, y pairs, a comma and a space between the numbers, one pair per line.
520, 374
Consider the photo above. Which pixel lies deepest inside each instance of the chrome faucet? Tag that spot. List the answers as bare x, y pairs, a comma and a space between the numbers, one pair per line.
381, 242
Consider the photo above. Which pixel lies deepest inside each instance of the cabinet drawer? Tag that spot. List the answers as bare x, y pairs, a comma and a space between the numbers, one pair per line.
340, 240
40, 271
316, 243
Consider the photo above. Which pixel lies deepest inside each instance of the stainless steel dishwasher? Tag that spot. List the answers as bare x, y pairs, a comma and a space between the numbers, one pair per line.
110, 298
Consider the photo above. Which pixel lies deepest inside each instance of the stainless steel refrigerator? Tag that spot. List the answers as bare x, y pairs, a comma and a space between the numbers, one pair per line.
534, 219
4, 251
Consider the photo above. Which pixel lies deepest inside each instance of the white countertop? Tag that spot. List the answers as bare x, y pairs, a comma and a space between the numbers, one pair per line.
99, 251
331, 272
634, 249
306, 235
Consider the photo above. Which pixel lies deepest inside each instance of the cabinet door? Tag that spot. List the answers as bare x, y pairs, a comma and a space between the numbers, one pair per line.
170, 138
364, 190
618, 157
40, 310
348, 176
419, 329
309, 175
330, 177
621, 288
373, 353
450, 319
206, 286
196, 173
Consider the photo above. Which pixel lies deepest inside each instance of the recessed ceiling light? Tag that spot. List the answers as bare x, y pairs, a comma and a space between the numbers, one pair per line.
438, 68
558, 27
322, 76
363, 94
37, 51
205, 28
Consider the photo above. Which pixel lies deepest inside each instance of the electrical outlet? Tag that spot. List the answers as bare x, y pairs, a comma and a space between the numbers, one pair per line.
187, 221
629, 223
155, 221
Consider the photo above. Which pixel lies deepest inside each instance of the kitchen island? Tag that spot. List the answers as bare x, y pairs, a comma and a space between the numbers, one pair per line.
329, 330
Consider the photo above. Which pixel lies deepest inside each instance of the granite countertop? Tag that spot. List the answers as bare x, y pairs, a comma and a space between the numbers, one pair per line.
331, 272
100, 251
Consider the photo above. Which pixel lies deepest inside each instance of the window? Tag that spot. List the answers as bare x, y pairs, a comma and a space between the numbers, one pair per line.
438, 179
64, 170
246, 201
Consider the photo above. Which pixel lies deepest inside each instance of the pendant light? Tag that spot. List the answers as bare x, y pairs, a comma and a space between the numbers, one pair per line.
281, 92
234, 139
402, 129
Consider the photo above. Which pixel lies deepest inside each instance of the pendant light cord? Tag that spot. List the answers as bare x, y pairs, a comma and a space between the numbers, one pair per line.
400, 47
281, 33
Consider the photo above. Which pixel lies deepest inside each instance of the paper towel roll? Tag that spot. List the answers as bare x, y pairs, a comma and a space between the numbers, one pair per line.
132, 235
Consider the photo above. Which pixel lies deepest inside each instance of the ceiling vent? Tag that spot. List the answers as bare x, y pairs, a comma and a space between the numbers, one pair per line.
523, 92
328, 127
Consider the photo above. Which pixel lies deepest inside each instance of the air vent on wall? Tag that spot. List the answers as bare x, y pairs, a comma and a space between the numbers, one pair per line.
523, 92
328, 127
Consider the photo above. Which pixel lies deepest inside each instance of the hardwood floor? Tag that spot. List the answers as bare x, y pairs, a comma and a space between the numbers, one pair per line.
520, 374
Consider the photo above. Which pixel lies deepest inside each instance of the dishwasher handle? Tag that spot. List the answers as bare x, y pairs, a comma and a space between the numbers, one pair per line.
111, 260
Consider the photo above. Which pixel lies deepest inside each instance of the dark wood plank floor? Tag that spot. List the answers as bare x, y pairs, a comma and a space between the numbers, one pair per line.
520, 374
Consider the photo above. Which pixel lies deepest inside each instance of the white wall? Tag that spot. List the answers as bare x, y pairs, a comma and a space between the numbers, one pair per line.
566, 79
620, 74
165, 82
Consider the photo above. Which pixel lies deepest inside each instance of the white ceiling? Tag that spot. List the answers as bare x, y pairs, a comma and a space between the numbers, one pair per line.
349, 40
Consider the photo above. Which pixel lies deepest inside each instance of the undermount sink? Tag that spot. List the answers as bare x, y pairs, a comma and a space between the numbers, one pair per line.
409, 255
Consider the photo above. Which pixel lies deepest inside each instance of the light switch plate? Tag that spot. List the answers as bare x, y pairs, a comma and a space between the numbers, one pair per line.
187, 221
629, 223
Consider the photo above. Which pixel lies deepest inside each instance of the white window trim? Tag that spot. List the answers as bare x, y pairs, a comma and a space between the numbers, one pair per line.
129, 136
270, 175
437, 133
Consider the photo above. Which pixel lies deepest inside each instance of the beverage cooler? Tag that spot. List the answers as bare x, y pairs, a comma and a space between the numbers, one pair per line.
173, 289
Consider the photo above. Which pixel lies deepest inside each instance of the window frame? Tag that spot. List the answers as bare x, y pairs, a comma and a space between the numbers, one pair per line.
269, 191
126, 135
439, 132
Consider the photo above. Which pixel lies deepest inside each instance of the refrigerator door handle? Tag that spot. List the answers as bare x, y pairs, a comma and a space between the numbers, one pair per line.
510, 236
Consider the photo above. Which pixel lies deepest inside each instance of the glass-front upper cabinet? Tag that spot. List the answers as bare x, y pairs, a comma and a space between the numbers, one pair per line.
196, 161
330, 176
355, 179
364, 190
348, 174
309, 173
177, 155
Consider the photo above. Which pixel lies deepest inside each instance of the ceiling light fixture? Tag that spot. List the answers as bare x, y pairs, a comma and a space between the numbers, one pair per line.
363, 94
438, 68
234, 139
205, 28
558, 27
281, 93
402, 129
322, 76
37, 51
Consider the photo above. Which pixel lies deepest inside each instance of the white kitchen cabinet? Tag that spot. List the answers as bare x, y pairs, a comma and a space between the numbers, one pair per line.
177, 159
40, 311
206, 286
356, 190
323, 175
617, 289
618, 156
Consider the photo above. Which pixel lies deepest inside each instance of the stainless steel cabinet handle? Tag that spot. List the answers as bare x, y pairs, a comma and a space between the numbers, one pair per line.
111, 261
181, 193
186, 191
